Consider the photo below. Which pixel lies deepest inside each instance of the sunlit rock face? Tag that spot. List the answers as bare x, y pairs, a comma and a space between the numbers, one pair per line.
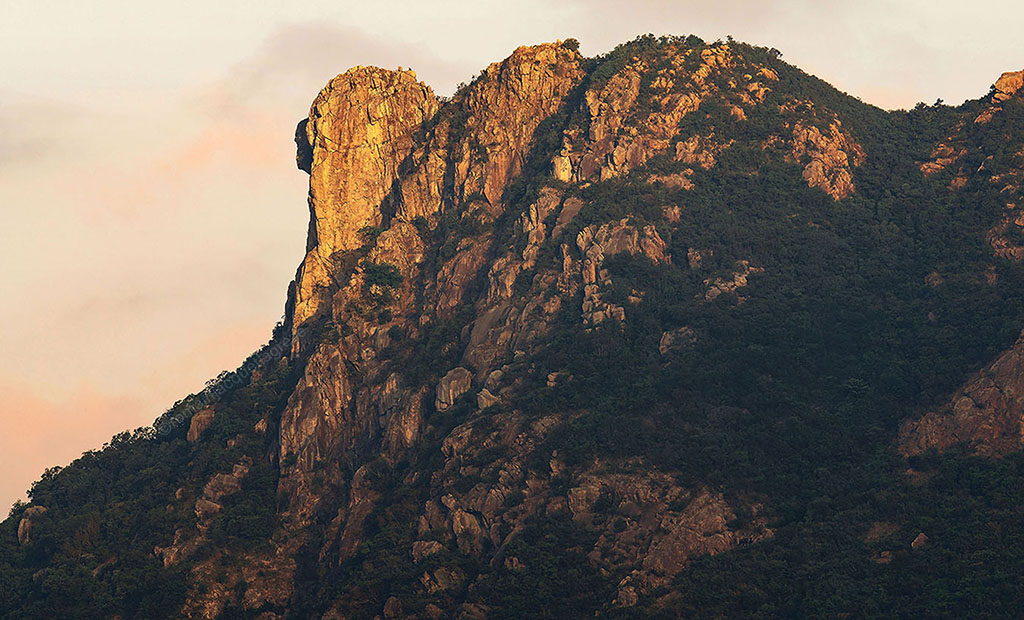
360, 130
1008, 85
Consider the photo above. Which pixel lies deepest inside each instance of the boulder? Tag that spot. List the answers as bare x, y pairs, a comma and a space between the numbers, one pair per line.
676, 339
467, 530
1008, 84
440, 580
393, 608
206, 509
920, 541
424, 548
454, 384
485, 399
200, 422
984, 414
26, 523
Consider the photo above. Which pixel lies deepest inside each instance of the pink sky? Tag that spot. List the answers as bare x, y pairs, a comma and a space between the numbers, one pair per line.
150, 208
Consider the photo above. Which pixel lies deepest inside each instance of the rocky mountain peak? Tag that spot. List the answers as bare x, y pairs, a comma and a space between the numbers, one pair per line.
371, 156
1008, 85
361, 128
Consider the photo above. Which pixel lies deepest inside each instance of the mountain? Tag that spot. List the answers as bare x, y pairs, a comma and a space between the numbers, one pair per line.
675, 331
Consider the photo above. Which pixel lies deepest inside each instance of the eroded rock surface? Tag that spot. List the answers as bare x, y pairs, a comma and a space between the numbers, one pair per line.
25, 525
985, 415
829, 157
455, 383
199, 423
361, 129
1008, 85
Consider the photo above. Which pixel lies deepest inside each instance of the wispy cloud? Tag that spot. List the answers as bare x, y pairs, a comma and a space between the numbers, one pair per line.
294, 62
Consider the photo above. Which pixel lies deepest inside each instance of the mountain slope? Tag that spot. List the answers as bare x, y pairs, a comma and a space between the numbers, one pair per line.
662, 332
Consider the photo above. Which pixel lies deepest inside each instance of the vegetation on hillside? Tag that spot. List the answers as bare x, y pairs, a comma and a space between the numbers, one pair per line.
793, 393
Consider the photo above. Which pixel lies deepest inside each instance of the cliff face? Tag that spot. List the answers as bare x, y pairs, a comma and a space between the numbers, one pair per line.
468, 158
580, 340
388, 166
360, 131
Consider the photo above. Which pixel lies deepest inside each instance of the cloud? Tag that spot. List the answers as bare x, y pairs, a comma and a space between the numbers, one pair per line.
31, 127
297, 60
238, 126
250, 144
207, 356
169, 230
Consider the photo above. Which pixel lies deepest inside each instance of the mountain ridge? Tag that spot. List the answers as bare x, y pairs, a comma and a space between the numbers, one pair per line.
580, 340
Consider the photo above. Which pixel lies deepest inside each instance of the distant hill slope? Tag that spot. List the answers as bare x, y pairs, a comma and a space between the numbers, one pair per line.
675, 331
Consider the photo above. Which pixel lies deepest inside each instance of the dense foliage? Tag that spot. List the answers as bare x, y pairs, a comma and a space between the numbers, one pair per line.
91, 555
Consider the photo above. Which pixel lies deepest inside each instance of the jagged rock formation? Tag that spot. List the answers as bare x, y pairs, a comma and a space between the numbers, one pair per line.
565, 343
828, 156
1008, 85
734, 282
984, 415
360, 131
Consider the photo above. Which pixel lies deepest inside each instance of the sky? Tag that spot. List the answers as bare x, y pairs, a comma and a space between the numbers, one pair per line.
151, 215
